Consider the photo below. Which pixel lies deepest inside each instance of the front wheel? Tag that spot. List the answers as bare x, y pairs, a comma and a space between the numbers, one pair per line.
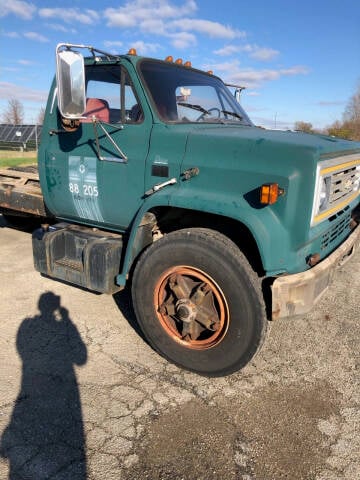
198, 302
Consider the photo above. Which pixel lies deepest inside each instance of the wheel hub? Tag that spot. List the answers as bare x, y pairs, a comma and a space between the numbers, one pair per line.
186, 311
191, 307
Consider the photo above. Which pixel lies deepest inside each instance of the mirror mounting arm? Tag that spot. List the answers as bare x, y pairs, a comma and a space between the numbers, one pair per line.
96, 123
70, 46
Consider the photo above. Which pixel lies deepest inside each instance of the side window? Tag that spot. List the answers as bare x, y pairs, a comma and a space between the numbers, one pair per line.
110, 96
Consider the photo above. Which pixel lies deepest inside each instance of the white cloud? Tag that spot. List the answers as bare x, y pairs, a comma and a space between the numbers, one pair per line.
156, 26
162, 17
71, 15
330, 103
253, 78
225, 67
118, 19
142, 48
259, 53
207, 27
10, 69
60, 28
296, 70
26, 62
135, 13
145, 48
11, 90
110, 43
182, 40
227, 50
264, 54
37, 37
24, 10
11, 34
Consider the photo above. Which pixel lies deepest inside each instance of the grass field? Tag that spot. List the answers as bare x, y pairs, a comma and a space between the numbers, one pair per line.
14, 159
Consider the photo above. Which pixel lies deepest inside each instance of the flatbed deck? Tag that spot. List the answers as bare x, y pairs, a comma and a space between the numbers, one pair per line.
20, 192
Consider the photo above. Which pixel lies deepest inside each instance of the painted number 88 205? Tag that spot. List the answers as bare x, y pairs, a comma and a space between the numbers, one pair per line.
85, 190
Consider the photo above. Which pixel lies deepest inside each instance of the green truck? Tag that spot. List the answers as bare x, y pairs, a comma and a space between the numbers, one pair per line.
152, 175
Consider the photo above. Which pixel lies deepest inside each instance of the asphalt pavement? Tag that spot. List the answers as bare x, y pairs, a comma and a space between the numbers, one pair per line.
82, 395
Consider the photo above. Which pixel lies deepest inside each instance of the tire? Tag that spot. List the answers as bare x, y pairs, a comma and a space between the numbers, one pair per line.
198, 302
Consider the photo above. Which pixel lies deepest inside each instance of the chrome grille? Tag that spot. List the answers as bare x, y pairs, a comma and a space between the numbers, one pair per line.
336, 230
337, 185
342, 185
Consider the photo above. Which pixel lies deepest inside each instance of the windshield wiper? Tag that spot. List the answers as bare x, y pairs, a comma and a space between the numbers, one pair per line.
234, 114
199, 108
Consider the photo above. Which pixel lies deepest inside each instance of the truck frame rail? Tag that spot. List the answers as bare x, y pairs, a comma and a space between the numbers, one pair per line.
20, 192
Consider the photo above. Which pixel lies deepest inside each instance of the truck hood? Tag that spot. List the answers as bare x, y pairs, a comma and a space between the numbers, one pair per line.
247, 140
250, 138
234, 161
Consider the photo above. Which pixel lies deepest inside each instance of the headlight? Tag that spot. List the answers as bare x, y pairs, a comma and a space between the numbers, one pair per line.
322, 195
357, 179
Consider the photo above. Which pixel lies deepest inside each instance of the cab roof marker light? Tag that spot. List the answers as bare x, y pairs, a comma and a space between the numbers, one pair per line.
132, 51
169, 58
179, 61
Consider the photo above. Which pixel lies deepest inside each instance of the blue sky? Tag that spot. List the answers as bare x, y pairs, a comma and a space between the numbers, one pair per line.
299, 60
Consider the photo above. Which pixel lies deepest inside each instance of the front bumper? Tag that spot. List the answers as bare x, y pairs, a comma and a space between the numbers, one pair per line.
296, 294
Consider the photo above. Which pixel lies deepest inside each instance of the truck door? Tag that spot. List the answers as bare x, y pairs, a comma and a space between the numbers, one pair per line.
104, 160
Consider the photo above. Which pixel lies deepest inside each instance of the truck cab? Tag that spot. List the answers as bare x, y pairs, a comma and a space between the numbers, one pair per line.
154, 172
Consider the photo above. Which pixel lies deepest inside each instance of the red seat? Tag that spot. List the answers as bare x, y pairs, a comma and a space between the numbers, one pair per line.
97, 107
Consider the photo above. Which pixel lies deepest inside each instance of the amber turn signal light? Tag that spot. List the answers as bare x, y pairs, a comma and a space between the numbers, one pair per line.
269, 193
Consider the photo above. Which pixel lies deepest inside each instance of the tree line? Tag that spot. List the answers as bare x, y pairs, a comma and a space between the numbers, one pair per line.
348, 127
14, 113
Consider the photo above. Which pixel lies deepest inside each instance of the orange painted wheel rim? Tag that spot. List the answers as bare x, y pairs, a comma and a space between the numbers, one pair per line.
191, 307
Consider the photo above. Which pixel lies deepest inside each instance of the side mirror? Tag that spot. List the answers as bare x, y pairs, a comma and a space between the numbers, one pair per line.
237, 94
70, 78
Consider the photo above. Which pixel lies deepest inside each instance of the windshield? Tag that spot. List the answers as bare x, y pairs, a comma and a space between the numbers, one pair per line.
183, 95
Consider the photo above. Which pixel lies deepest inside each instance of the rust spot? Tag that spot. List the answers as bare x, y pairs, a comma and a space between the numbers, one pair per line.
314, 259
276, 313
353, 224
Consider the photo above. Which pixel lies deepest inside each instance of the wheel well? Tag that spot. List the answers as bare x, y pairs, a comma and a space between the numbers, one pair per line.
171, 219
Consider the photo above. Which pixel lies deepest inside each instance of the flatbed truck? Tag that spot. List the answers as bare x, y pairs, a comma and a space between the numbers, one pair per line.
151, 174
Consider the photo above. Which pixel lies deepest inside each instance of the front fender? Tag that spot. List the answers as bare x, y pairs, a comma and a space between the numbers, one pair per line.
264, 224
266, 228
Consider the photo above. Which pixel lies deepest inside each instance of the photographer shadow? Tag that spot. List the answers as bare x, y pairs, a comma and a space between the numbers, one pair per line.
45, 436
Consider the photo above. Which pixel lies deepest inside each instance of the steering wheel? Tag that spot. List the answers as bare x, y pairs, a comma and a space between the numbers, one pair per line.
203, 115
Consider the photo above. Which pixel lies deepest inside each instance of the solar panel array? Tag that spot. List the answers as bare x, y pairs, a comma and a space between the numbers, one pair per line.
19, 134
